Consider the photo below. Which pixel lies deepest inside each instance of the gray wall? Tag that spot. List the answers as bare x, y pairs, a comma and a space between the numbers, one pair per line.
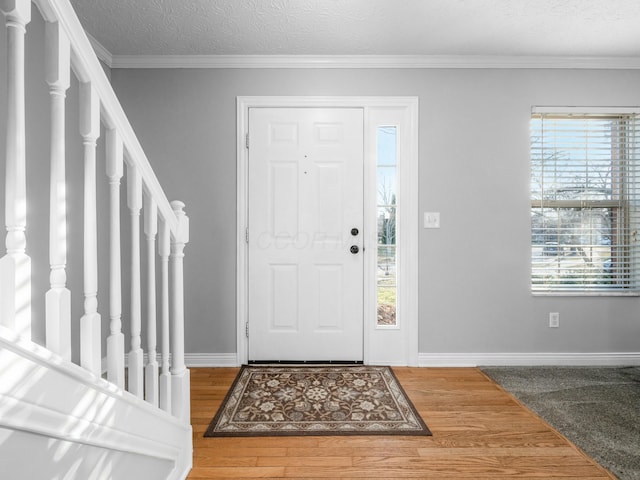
474, 169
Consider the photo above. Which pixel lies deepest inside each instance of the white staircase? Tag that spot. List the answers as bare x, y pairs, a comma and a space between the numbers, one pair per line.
93, 383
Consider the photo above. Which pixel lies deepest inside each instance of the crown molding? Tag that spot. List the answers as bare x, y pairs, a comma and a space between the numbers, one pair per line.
102, 53
361, 61
369, 61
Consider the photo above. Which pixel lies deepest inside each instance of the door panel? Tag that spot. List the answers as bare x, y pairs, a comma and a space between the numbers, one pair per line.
305, 196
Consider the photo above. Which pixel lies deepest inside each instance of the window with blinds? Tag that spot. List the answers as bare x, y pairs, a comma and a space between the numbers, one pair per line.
585, 199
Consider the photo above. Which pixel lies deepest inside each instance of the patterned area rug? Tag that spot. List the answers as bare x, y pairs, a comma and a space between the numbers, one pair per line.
316, 400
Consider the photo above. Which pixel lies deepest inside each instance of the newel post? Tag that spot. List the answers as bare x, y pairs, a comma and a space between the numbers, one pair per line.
180, 382
15, 266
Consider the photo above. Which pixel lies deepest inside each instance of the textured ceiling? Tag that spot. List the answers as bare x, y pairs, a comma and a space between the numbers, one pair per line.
364, 27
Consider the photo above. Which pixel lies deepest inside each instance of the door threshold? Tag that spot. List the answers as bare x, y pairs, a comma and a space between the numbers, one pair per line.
306, 362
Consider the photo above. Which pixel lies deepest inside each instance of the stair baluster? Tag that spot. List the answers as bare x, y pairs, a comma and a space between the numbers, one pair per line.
151, 230
164, 246
15, 266
115, 340
58, 298
90, 328
134, 201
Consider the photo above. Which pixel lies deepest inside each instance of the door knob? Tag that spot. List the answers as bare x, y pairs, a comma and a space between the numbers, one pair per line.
354, 249
355, 231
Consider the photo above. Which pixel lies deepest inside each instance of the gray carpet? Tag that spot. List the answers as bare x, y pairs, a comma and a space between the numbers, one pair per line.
598, 409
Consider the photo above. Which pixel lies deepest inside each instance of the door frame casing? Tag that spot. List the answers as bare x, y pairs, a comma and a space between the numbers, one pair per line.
395, 346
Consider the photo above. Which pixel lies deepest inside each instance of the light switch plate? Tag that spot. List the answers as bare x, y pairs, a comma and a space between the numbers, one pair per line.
431, 219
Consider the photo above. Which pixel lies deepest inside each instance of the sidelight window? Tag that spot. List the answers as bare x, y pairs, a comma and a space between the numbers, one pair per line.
387, 170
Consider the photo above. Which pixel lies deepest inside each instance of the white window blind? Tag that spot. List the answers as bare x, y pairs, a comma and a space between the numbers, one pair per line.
585, 198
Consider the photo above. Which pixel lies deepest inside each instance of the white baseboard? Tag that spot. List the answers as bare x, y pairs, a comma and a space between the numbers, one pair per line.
527, 359
211, 360
463, 359
194, 360
221, 360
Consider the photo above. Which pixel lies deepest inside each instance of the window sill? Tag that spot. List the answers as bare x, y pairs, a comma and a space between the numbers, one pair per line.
586, 294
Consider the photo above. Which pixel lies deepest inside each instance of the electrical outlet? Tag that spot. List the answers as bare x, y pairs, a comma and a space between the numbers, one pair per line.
554, 320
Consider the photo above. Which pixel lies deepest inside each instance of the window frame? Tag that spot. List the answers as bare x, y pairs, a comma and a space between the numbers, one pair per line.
392, 208
618, 205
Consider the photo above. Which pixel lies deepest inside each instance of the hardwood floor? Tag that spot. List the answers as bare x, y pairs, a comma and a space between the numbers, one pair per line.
479, 432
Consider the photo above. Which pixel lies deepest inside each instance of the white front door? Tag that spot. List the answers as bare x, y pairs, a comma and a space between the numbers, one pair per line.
305, 222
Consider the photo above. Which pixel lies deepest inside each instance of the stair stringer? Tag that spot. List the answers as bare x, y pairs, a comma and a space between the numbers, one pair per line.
76, 425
